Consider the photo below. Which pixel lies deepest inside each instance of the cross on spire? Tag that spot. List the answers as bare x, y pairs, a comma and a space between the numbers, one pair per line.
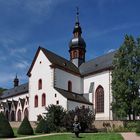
77, 15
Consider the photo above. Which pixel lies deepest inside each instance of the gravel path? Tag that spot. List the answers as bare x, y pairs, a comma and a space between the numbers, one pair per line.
27, 137
126, 136
130, 136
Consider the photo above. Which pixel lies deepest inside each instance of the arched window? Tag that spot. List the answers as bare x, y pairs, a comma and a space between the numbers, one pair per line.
70, 86
26, 113
36, 101
40, 84
75, 54
19, 115
7, 115
43, 99
99, 99
12, 116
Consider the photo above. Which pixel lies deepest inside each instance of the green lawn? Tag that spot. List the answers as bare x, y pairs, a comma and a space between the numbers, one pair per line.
18, 135
88, 136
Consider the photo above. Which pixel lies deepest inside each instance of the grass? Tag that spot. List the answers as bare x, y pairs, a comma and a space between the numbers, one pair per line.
18, 135
88, 136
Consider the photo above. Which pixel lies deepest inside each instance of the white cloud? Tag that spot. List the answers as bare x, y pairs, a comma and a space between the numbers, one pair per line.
21, 65
14, 51
111, 50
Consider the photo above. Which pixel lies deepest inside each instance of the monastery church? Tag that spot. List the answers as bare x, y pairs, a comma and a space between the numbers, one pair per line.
69, 83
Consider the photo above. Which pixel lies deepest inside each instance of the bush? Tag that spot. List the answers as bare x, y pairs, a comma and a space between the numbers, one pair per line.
138, 128
5, 128
25, 127
54, 117
85, 117
42, 127
131, 125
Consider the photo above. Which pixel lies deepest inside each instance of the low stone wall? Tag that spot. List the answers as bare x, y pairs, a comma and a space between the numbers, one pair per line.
107, 124
17, 124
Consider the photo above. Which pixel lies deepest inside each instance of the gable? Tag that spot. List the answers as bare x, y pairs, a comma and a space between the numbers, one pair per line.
38, 60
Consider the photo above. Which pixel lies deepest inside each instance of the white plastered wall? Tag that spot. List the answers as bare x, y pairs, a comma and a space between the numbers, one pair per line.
103, 79
62, 78
46, 73
72, 105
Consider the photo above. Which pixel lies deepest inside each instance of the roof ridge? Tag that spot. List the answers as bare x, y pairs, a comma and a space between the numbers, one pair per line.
16, 86
42, 48
100, 56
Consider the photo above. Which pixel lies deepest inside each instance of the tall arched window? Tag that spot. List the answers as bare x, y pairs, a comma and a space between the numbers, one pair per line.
26, 113
43, 99
69, 86
40, 84
99, 99
36, 101
12, 116
19, 115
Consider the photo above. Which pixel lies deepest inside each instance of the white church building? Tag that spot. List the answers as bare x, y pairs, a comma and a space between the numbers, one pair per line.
69, 83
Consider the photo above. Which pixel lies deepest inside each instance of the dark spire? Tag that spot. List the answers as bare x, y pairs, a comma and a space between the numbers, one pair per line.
16, 81
77, 27
77, 15
77, 45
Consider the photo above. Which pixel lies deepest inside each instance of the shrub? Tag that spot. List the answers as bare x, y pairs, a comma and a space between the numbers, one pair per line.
138, 128
85, 117
39, 117
5, 128
54, 117
42, 127
25, 127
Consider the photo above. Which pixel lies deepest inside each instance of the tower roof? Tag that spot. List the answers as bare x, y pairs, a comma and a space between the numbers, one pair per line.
77, 40
77, 27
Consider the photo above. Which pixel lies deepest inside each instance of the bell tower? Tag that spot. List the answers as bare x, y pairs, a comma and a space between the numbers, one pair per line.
77, 45
16, 81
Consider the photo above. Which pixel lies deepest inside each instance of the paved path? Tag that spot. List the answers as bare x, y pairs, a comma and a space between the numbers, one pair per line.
130, 136
126, 136
35, 136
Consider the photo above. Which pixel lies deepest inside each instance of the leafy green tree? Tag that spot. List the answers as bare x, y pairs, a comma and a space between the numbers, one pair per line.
25, 127
125, 79
42, 126
5, 128
54, 117
86, 118
138, 128
1, 90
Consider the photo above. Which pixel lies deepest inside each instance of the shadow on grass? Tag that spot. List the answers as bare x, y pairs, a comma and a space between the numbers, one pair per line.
78, 137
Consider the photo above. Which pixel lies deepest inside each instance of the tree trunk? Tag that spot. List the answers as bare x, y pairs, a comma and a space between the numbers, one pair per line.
129, 117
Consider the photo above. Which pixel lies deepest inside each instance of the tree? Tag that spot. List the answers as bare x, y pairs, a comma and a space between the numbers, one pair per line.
25, 127
2, 89
125, 79
85, 117
5, 128
42, 126
54, 117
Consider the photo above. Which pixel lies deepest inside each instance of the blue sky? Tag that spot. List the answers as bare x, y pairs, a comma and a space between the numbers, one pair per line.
27, 24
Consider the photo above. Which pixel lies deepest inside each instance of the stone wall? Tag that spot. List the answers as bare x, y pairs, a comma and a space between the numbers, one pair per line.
17, 124
107, 124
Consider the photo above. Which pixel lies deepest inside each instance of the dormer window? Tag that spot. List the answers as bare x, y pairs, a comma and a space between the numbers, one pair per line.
39, 84
69, 86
